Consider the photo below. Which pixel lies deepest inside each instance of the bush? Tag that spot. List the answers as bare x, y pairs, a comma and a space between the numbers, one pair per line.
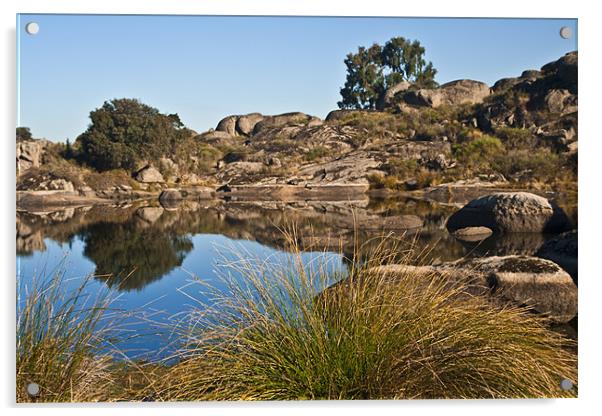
23, 133
420, 336
541, 164
478, 154
513, 138
125, 131
317, 152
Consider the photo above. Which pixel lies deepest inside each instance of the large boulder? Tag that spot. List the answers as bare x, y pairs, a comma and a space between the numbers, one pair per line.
335, 115
295, 118
149, 174
562, 73
462, 91
30, 154
245, 124
538, 283
519, 280
560, 101
227, 125
511, 212
386, 100
562, 250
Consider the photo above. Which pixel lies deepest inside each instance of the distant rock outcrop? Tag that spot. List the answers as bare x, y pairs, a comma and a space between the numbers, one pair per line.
462, 91
30, 154
253, 123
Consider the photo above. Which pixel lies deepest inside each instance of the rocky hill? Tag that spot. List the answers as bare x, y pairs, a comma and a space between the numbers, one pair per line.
521, 132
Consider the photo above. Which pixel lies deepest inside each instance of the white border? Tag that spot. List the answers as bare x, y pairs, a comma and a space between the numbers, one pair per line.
589, 165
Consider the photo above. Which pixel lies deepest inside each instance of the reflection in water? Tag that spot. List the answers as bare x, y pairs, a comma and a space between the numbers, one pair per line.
129, 256
136, 244
146, 251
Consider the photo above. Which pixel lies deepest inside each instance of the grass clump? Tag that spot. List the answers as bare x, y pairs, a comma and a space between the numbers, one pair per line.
282, 334
61, 342
317, 152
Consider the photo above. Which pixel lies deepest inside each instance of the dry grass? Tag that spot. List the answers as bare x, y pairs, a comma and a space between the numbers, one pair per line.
270, 337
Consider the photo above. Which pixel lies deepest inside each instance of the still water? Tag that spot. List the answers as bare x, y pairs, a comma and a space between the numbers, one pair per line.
153, 256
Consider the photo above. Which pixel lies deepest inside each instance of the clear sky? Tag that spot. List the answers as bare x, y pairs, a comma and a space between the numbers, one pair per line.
207, 67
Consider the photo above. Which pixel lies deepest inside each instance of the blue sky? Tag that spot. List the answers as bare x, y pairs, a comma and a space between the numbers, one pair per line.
205, 67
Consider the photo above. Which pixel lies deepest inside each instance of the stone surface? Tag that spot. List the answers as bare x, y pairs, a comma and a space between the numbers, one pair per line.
534, 282
511, 212
453, 93
30, 154
563, 251
520, 280
149, 174
245, 124
472, 233
386, 99
227, 125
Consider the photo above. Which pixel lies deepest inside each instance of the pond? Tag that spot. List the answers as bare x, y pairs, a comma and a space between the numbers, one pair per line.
152, 255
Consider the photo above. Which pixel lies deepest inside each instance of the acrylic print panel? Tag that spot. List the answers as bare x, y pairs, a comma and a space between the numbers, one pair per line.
293, 208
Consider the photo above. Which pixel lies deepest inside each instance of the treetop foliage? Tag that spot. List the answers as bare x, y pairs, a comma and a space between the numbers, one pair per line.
23, 133
125, 131
371, 71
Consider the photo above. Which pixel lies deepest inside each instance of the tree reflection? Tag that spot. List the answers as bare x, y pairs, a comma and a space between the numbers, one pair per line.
129, 256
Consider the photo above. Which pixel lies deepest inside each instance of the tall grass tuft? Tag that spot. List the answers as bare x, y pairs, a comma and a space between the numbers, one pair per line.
61, 341
284, 332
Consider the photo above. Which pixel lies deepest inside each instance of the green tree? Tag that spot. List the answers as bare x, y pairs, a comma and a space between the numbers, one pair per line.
23, 133
126, 131
372, 70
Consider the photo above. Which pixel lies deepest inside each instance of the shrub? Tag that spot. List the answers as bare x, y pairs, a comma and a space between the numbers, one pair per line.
23, 133
515, 137
317, 152
477, 154
125, 131
541, 164
282, 334
378, 181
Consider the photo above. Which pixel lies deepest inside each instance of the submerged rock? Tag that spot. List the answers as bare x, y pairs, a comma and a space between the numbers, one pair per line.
511, 212
472, 233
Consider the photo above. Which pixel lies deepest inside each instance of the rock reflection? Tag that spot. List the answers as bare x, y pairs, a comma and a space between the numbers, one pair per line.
138, 243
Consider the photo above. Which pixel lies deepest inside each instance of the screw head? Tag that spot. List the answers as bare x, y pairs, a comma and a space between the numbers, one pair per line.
32, 28
33, 389
566, 384
565, 32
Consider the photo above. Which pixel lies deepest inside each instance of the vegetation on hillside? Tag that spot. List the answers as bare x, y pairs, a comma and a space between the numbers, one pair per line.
23, 133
